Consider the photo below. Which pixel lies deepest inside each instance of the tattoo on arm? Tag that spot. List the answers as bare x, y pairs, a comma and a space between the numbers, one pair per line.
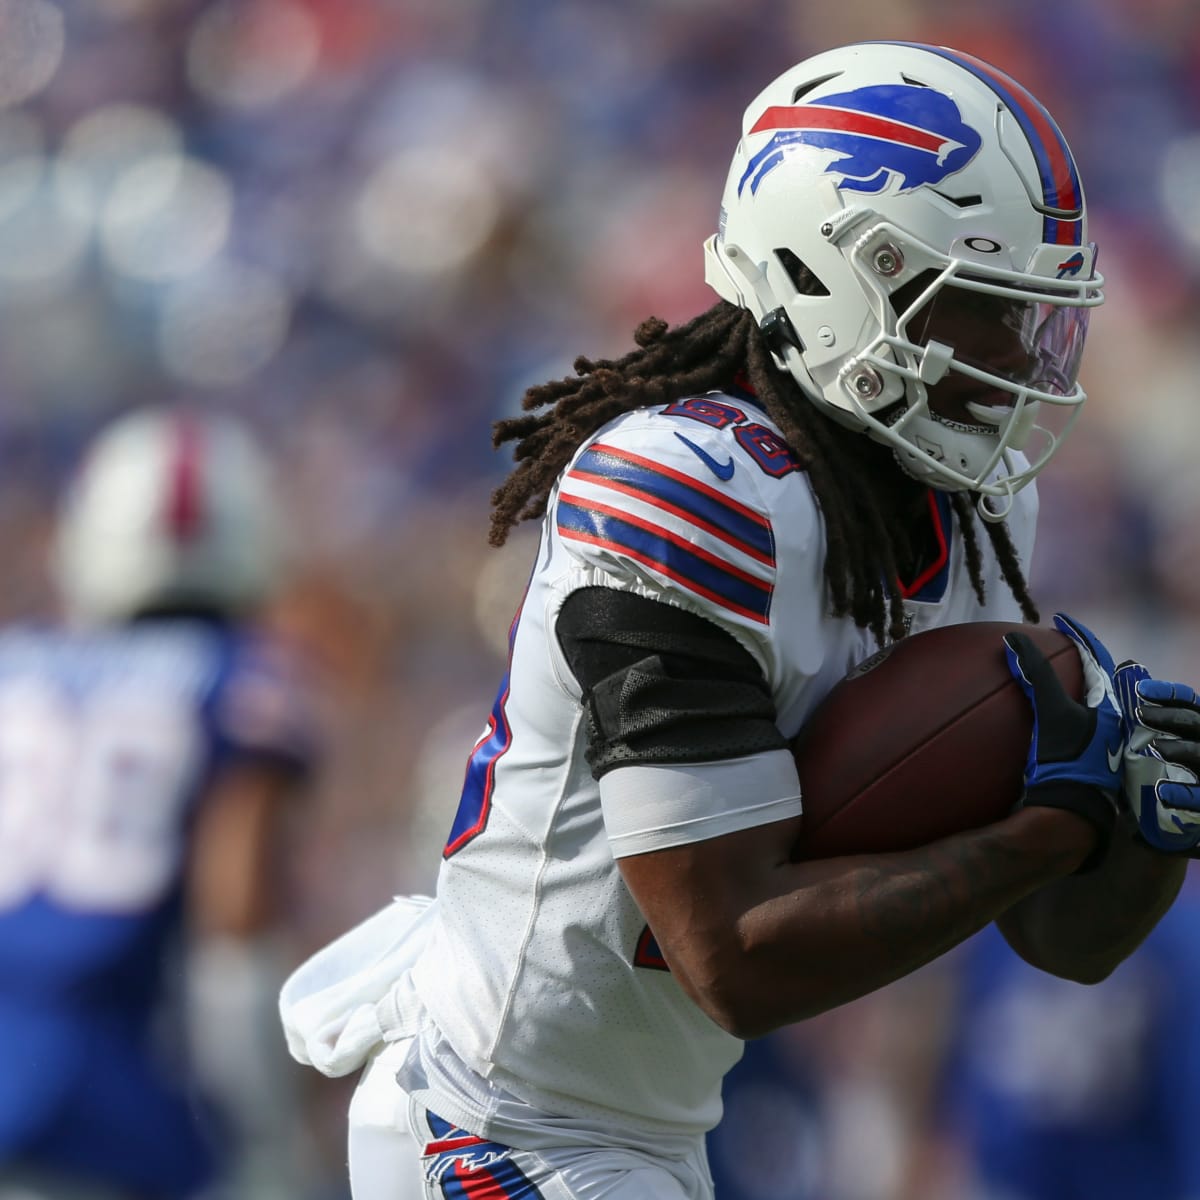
958, 886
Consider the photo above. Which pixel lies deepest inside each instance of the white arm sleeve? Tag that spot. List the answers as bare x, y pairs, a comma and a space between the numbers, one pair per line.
656, 807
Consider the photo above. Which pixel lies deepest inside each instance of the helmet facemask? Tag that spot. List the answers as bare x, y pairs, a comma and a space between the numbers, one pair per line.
985, 361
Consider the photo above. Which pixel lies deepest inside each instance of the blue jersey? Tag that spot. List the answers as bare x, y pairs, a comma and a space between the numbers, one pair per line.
1064, 1092
769, 1141
107, 744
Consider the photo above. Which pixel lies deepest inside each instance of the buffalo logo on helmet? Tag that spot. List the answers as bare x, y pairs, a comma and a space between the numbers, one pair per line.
915, 135
1071, 266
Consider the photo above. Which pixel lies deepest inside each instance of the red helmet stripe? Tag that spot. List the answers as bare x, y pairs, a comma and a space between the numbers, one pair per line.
816, 116
185, 506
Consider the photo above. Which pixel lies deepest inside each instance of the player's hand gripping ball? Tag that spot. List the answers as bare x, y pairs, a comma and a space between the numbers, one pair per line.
1077, 751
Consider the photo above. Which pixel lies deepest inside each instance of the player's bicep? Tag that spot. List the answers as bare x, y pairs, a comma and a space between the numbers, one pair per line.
696, 897
732, 874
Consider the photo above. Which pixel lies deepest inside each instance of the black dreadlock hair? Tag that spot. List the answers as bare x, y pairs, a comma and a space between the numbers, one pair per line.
853, 478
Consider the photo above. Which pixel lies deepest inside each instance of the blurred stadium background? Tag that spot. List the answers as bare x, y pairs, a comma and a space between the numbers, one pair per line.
367, 225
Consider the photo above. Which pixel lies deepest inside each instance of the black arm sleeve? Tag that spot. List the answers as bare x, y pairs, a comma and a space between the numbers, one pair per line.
661, 685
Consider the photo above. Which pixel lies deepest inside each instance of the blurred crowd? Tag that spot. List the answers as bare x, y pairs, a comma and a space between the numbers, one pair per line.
366, 226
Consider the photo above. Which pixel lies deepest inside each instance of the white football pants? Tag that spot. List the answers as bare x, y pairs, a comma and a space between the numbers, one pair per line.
389, 1161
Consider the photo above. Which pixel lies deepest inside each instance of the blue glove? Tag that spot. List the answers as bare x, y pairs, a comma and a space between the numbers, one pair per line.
1077, 750
1162, 762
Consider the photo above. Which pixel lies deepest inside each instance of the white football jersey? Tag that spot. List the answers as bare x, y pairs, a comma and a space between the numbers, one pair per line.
541, 978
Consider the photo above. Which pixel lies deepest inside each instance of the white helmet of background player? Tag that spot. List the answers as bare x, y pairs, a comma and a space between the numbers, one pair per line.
170, 510
883, 197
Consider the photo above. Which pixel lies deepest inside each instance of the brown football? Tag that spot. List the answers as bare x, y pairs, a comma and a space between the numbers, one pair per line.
924, 739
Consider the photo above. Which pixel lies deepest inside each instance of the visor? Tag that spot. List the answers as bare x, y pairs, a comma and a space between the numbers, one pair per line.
1023, 342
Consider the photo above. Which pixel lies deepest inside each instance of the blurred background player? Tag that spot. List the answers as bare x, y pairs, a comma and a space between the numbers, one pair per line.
146, 747
1057, 1093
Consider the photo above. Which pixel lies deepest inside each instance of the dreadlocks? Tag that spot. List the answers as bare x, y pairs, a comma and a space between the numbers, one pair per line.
865, 542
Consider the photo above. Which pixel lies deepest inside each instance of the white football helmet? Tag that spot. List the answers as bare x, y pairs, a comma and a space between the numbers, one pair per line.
907, 222
170, 509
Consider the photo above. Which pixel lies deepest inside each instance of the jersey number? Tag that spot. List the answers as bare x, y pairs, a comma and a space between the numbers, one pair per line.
91, 801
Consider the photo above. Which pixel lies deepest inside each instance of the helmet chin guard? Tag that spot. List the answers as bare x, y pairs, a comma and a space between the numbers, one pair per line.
909, 223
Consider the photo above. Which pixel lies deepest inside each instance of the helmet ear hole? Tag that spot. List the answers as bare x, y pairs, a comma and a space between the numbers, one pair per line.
803, 278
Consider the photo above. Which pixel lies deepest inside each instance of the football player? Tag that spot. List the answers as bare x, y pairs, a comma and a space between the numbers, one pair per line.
147, 745
840, 452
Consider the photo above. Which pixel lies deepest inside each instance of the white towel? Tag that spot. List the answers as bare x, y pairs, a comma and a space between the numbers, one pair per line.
355, 993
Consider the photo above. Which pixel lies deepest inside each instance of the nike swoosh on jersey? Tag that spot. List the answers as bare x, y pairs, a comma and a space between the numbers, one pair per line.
678, 495
1114, 757
722, 471
662, 518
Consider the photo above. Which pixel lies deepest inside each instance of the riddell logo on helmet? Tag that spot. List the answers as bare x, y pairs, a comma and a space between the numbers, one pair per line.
877, 134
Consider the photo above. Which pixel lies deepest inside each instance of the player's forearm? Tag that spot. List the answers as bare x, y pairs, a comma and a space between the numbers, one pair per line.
846, 927
1083, 926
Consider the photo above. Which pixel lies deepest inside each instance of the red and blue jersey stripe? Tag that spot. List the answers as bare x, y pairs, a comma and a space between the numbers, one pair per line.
679, 494
673, 515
